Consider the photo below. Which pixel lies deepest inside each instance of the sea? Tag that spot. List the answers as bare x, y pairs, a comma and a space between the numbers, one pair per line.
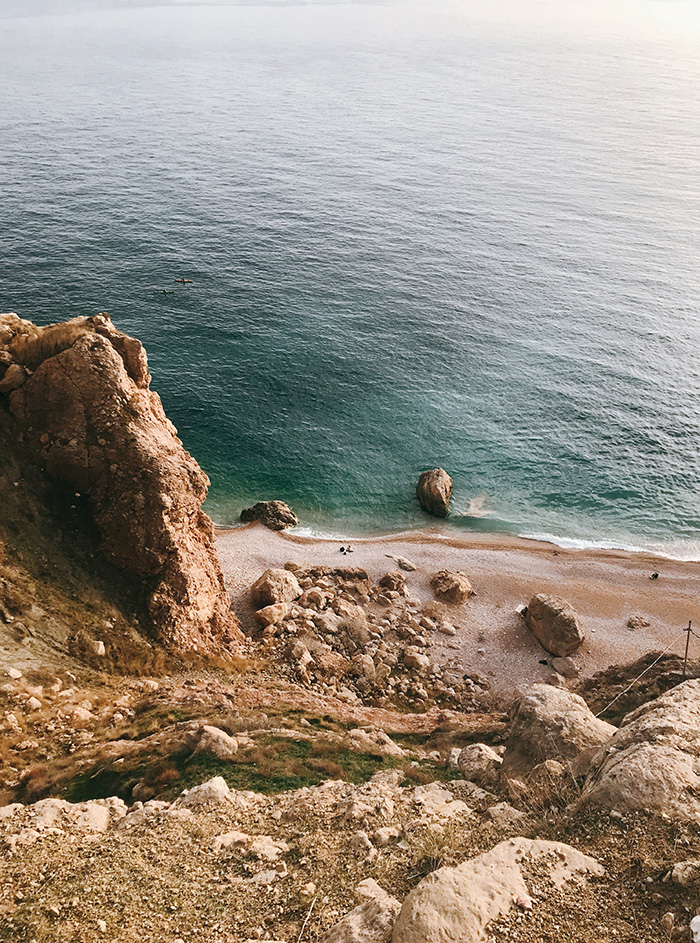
461, 234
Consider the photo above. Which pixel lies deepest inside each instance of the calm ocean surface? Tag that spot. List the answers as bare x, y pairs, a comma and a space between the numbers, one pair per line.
463, 234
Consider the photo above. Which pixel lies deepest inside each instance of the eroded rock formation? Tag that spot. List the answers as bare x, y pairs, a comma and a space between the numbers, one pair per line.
651, 763
82, 407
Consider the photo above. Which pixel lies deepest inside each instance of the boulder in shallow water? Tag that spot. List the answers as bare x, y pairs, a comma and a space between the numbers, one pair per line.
273, 514
434, 491
555, 624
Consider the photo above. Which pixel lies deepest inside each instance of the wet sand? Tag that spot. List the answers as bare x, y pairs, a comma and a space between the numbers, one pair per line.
606, 587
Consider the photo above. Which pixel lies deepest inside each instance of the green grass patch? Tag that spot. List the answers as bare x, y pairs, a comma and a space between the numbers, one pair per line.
101, 784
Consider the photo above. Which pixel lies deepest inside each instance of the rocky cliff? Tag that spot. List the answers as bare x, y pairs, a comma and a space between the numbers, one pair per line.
75, 398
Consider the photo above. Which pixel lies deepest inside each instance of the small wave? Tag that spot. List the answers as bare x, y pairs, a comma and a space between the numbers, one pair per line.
477, 507
685, 551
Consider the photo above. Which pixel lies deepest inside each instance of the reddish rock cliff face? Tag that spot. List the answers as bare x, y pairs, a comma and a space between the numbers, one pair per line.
79, 393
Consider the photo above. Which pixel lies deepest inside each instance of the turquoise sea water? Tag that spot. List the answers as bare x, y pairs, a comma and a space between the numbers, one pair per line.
457, 234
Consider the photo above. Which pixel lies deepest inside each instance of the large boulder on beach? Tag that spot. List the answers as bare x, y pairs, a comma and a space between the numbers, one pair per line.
273, 514
555, 624
550, 724
457, 905
451, 587
434, 491
652, 763
275, 586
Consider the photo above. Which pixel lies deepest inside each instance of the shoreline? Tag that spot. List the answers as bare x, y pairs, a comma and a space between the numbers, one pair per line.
433, 531
494, 540
606, 587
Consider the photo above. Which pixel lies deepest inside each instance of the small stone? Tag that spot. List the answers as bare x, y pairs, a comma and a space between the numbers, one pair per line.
686, 873
566, 667
216, 741
270, 615
307, 892
479, 764
98, 647
213, 792
637, 622
34, 704
14, 674
416, 660
362, 847
15, 375
405, 564
385, 835
102, 926
668, 921
275, 586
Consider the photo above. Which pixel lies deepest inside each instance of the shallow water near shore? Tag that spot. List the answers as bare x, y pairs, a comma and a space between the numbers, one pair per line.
418, 235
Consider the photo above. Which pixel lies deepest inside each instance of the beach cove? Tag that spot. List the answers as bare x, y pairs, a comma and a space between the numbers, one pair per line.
606, 587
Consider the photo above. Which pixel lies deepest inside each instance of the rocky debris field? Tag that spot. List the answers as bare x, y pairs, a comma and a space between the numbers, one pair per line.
338, 862
340, 634
175, 809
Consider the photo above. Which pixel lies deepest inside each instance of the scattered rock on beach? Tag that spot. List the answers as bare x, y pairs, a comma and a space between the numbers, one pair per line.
434, 491
405, 564
451, 587
273, 514
275, 586
394, 580
555, 624
637, 622
566, 667
270, 615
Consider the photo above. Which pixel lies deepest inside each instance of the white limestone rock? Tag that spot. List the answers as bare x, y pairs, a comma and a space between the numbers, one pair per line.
456, 905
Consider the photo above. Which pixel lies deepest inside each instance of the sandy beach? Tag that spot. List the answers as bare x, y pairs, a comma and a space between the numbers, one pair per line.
606, 587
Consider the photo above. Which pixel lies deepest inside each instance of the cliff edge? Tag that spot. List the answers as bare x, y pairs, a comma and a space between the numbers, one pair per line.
78, 402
